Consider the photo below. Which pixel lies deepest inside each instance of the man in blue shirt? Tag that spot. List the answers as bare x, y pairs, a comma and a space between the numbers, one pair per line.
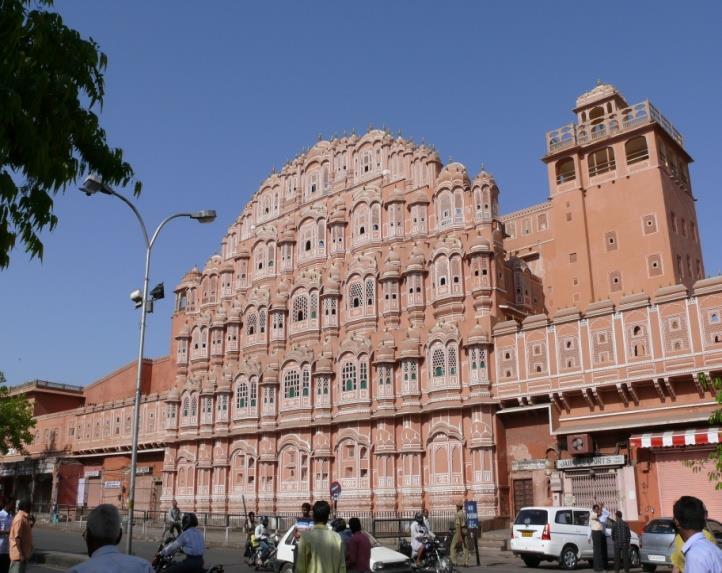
102, 536
6, 519
191, 543
700, 554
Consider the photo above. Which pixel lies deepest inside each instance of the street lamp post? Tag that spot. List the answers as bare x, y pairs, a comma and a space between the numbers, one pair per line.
92, 185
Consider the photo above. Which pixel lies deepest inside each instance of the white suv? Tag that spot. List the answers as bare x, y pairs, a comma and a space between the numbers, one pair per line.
560, 534
383, 559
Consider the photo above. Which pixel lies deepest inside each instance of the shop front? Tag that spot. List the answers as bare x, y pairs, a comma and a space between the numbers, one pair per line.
607, 479
676, 463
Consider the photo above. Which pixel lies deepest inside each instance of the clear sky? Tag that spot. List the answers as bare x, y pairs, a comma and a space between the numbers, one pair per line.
206, 97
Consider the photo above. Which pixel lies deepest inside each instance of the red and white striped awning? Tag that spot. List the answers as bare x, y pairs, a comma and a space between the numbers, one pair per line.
691, 437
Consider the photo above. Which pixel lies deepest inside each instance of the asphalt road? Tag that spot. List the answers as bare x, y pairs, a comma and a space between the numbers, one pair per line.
70, 541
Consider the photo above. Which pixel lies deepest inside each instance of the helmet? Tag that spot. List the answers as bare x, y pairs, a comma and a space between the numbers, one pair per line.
339, 524
189, 520
418, 516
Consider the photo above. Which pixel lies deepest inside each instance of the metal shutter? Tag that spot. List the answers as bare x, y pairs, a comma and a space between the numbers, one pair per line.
677, 479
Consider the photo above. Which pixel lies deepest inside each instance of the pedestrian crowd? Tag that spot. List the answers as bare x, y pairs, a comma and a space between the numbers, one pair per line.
338, 547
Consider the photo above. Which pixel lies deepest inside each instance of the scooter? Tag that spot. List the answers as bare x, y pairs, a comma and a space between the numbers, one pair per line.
162, 562
264, 562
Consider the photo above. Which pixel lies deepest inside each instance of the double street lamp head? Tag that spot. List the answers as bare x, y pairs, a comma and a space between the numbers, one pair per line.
94, 184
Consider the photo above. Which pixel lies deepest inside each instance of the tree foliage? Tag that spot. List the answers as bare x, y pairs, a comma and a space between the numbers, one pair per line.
16, 420
51, 81
713, 465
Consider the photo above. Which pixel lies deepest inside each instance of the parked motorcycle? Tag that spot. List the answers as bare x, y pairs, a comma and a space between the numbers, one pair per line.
436, 557
264, 562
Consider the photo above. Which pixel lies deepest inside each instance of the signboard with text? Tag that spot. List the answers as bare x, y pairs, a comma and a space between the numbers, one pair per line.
591, 462
472, 514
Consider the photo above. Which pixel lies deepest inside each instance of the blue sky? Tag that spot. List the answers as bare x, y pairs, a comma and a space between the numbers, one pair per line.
206, 97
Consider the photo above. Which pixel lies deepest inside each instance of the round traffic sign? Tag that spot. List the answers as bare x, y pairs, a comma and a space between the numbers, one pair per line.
335, 490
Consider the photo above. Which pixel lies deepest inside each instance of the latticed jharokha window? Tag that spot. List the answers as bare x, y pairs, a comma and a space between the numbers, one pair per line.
565, 170
601, 161
290, 384
300, 308
437, 363
636, 149
348, 376
356, 292
306, 385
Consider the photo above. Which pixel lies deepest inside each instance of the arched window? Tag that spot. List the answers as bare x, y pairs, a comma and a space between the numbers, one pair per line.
356, 294
186, 406
370, 292
261, 321
438, 366
251, 324
451, 359
306, 383
241, 396
565, 170
348, 376
291, 384
458, 206
636, 149
444, 209
194, 406
601, 161
300, 308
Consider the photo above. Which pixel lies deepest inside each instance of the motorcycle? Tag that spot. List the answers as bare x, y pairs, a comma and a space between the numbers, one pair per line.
436, 557
260, 562
162, 562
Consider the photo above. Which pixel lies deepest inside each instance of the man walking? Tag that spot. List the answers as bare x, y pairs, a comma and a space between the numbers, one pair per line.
102, 535
320, 550
6, 519
459, 537
621, 536
700, 554
358, 549
172, 521
21, 538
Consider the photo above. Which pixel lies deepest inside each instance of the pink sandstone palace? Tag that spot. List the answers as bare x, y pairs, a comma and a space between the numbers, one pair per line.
373, 319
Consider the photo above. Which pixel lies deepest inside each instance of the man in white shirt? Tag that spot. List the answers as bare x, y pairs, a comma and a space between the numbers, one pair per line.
102, 536
191, 543
427, 522
418, 535
700, 554
6, 519
261, 535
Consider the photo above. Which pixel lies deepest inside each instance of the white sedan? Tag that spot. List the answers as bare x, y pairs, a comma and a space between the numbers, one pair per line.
382, 558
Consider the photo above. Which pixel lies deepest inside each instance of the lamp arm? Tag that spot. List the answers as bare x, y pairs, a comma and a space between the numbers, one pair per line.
163, 224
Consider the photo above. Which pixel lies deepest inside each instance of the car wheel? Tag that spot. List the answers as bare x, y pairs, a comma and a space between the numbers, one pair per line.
634, 558
287, 568
530, 561
568, 559
648, 568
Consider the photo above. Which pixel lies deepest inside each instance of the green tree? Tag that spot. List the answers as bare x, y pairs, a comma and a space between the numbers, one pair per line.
51, 81
713, 465
16, 419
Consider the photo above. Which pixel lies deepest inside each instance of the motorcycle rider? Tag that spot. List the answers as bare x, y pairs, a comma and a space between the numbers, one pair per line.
427, 523
191, 543
419, 533
261, 537
172, 521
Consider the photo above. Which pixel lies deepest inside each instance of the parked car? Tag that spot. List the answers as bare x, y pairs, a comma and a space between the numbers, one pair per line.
657, 543
383, 559
560, 534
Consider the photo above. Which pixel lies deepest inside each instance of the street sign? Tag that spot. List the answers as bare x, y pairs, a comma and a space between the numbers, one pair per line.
335, 490
472, 515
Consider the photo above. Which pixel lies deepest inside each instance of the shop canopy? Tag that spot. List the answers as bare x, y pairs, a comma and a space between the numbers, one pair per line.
677, 438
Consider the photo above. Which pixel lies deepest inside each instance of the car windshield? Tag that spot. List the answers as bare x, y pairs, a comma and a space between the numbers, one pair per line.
660, 526
373, 540
531, 517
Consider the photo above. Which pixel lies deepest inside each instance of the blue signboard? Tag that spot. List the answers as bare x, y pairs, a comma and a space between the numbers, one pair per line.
472, 515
